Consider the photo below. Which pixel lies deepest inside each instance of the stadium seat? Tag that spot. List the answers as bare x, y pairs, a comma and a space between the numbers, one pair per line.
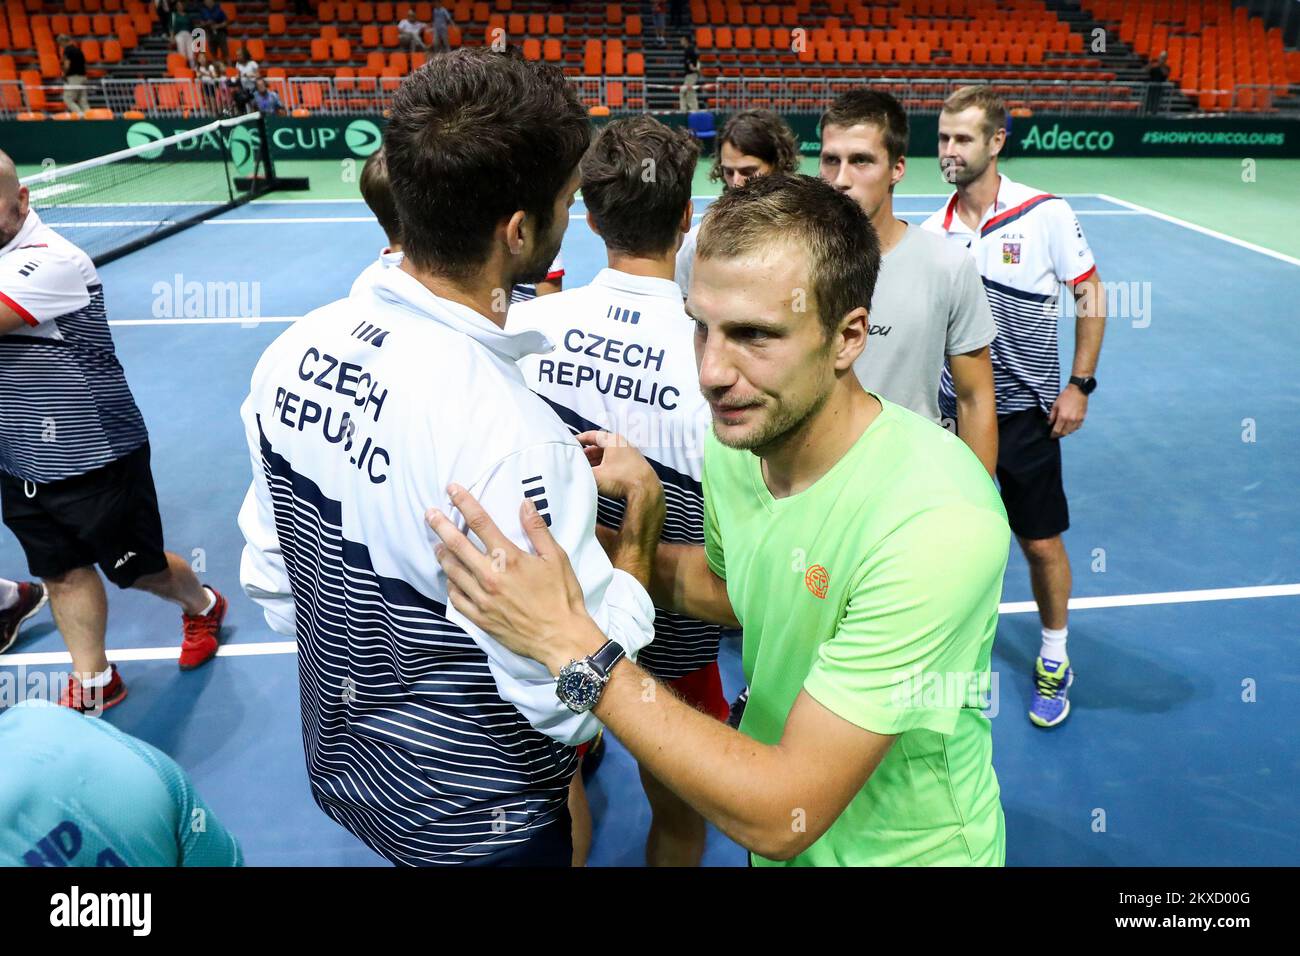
257, 49
536, 24
614, 57
632, 27
614, 94
342, 50
591, 61
99, 113
390, 35
275, 23
551, 50
532, 49
399, 63
29, 117
345, 12
329, 33
635, 64
320, 50
325, 12
555, 25
376, 60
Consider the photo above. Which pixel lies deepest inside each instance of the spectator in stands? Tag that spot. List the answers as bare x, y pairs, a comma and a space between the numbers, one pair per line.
409, 32
179, 27
266, 100
209, 79
660, 20
246, 85
215, 22
75, 96
442, 25
163, 9
1158, 74
686, 96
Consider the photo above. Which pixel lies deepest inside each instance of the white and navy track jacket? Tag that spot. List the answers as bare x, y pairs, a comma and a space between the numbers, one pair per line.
423, 735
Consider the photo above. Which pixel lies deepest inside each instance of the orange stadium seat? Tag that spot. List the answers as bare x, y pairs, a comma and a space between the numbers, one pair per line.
325, 12
320, 49
614, 14
614, 57
532, 49
345, 12
591, 57
551, 50
370, 35
516, 24
390, 34
275, 23
341, 50
536, 23
90, 50
635, 64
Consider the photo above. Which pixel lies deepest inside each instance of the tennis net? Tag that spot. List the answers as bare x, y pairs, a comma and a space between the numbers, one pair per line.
112, 205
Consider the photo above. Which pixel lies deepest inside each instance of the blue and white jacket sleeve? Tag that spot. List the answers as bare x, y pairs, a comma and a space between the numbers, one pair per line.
558, 479
261, 568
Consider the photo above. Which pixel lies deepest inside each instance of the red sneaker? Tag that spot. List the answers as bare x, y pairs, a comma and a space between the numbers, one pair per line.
202, 634
93, 700
31, 598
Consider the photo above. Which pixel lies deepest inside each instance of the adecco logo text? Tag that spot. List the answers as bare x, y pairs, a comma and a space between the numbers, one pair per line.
1059, 140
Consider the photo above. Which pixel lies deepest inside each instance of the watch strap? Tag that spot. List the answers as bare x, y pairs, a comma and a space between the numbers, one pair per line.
610, 653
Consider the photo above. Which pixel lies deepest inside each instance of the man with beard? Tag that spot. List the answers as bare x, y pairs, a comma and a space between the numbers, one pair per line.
860, 547
1026, 244
423, 736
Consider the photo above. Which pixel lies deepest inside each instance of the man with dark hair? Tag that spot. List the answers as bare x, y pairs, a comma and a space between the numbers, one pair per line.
1026, 244
424, 736
752, 143
861, 548
636, 182
929, 317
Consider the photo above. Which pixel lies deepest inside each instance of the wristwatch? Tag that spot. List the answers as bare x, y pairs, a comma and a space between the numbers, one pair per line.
1086, 385
581, 683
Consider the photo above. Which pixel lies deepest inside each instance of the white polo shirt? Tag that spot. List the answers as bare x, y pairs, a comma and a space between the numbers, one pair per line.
424, 736
624, 361
65, 406
686, 259
1028, 244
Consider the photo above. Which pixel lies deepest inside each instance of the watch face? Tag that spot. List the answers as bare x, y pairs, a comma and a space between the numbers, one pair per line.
578, 688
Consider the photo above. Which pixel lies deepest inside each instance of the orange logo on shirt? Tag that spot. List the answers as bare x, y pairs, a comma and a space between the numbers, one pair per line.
817, 580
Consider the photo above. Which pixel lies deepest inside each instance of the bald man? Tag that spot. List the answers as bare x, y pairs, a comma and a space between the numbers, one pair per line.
75, 484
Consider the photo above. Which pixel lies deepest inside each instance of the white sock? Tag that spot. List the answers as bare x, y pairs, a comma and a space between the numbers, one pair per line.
212, 601
8, 594
1053, 648
99, 680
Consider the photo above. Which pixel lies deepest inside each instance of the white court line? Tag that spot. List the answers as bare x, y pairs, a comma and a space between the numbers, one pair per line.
1202, 229
286, 220
257, 649
230, 321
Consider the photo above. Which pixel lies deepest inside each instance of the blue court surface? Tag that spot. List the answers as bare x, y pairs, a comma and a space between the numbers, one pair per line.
1181, 748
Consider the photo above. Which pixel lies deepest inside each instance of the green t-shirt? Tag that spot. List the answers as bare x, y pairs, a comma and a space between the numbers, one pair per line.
876, 590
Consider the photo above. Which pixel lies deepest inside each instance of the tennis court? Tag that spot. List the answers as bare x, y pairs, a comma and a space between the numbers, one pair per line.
1181, 747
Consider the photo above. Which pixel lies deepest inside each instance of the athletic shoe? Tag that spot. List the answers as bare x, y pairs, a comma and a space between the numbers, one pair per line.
592, 756
738, 709
93, 700
202, 634
1052, 682
32, 596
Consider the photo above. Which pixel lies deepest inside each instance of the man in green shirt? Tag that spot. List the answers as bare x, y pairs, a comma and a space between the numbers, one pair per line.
860, 546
